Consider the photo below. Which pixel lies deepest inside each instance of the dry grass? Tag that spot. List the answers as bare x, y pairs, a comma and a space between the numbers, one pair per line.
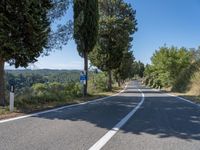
195, 84
4, 112
193, 92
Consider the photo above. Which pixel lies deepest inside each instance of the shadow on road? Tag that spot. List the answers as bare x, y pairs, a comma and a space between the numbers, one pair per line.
162, 116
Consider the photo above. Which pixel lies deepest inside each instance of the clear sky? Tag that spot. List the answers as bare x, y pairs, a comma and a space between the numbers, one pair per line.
170, 22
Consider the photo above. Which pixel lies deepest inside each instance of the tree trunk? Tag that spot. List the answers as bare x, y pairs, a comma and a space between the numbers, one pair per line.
2, 89
86, 73
110, 80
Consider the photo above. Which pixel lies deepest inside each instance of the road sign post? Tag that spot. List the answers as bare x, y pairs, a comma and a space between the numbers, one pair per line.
83, 79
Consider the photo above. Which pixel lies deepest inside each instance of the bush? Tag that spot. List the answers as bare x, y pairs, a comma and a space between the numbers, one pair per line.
39, 88
184, 78
195, 83
73, 89
98, 83
167, 63
50, 92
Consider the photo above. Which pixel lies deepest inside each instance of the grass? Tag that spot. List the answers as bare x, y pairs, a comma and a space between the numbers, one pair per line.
35, 107
4, 110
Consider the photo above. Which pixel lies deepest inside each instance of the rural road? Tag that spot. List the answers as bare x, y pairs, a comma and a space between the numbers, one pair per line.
135, 119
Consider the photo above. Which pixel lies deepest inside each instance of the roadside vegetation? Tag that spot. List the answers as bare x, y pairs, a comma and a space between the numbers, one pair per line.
34, 91
175, 69
42, 89
102, 30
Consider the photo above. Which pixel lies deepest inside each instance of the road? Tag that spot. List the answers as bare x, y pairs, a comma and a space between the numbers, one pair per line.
135, 119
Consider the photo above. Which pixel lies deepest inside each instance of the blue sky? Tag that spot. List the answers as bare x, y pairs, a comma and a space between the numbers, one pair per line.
170, 22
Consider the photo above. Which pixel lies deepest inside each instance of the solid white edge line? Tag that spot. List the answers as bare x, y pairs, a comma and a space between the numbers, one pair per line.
103, 140
181, 98
59, 108
186, 100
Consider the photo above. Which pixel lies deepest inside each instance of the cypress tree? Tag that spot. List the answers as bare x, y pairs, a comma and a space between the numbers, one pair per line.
117, 23
24, 30
85, 29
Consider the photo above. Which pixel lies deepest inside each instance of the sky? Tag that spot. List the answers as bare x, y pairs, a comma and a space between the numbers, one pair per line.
160, 22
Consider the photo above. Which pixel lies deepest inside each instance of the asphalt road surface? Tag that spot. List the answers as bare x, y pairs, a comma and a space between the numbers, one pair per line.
135, 119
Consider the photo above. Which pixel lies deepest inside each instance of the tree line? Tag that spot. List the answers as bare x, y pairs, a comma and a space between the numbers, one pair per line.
173, 68
26, 33
102, 29
105, 37
27, 78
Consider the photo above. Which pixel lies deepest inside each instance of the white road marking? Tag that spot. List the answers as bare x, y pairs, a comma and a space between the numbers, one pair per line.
181, 98
186, 100
101, 142
59, 108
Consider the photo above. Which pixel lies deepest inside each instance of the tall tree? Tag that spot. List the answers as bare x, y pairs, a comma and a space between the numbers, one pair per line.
167, 64
124, 71
24, 30
116, 25
138, 69
86, 16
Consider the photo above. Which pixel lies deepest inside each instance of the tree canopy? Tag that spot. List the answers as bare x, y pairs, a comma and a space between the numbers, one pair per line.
24, 32
124, 71
86, 16
116, 25
167, 63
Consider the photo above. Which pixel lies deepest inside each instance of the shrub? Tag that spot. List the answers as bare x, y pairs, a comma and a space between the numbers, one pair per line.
184, 78
50, 92
195, 83
73, 89
98, 83
167, 63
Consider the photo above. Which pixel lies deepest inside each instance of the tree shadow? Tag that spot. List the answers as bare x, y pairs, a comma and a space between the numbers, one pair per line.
162, 116
145, 92
166, 118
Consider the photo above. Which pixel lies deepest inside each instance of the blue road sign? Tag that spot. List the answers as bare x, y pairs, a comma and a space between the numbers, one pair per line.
83, 77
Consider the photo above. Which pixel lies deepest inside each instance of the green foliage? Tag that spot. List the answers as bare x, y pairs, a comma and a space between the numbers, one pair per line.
59, 9
195, 54
188, 79
184, 78
86, 17
98, 82
26, 78
167, 63
50, 92
24, 30
116, 25
195, 82
138, 69
39, 87
125, 69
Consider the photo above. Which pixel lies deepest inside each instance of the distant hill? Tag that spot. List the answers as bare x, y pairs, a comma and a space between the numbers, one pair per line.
27, 77
41, 71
